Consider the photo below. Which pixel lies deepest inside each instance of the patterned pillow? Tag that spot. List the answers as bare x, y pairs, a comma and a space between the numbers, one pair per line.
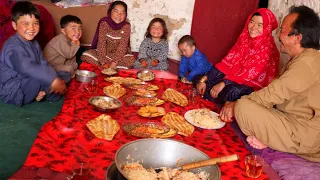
73, 3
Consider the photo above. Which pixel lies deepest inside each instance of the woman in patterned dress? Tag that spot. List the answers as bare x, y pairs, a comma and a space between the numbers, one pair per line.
110, 46
250, 65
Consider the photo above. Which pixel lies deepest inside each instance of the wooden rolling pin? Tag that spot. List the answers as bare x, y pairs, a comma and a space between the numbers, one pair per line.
209, 162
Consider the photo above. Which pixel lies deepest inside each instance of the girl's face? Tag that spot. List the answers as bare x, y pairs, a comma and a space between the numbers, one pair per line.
156, 30
118, 14
255, 26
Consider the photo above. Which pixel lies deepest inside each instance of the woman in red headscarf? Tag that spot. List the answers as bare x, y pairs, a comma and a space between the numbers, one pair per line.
110, 46
250, 65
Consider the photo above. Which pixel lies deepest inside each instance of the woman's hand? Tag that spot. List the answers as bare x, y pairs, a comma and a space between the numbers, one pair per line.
201, 88
216, 89
154, 62
76, 41
227, 111
144, 63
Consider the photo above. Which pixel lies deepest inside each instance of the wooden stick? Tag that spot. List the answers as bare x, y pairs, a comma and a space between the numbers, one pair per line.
210, 162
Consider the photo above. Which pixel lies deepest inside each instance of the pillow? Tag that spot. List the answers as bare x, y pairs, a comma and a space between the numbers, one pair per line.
73, 3
102, 1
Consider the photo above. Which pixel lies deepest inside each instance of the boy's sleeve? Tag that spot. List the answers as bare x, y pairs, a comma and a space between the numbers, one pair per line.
163, 57
19, 60
200, 68
143, 50
183, 67
65, 48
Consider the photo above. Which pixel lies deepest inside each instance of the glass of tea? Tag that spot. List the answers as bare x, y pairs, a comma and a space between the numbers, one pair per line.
91, 86
80, 171
254, 165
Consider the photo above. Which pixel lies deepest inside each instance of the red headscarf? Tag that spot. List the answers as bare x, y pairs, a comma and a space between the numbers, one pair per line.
253, 61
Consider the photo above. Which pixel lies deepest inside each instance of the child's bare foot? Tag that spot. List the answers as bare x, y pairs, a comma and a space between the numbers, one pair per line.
40, 96
255, 143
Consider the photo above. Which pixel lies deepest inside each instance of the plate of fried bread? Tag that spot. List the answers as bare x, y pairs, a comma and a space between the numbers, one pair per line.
140, 101
204, 118
175, 121
151, 111
109, 71
144, 93
144, 85
123, 80
148, 130
103, 127
174, 96
115, 90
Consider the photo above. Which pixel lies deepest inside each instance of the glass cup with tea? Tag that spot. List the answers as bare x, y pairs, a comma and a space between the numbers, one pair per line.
254, 165
91, 86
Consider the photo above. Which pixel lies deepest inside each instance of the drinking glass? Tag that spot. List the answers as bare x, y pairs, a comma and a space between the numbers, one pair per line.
91, 86
80, 171
254, 165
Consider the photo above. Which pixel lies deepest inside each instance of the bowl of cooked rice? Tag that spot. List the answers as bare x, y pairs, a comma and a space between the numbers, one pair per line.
105, 103
154, 159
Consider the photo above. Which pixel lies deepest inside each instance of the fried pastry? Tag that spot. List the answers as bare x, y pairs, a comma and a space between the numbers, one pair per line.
151, 111
115, 90
123, 80
175, 121
104, 127
175, 97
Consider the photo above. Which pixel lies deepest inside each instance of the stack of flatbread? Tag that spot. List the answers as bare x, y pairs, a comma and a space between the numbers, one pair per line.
175, 121
104, 127
115, 90
175, 97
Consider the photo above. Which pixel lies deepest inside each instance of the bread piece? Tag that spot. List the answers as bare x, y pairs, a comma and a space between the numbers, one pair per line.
104, 127
123, 80
175, 121
115, 90
175, 97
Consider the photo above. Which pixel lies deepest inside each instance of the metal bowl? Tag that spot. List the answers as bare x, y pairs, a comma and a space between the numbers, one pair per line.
158, 153
85, 76
146, 75
93, 100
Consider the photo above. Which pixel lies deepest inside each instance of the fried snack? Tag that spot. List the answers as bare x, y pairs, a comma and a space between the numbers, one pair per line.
115, 90
151, 111
103, 127
109, 71
145, 93
171, 133
123, 80
158, 102
140, 101
175, 121
175, 97
149, 87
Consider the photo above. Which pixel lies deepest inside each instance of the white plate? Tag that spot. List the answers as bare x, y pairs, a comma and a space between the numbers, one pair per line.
190, 120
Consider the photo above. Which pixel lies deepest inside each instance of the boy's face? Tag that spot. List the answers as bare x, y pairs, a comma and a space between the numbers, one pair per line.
186, 49
27, 27
73, 31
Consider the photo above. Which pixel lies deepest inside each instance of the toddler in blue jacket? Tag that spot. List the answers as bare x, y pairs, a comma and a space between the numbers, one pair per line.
193, 62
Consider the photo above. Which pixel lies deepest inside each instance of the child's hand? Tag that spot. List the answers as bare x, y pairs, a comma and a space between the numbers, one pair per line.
113, 65
58, 86
185, 80
76, 41
155, 62
144, 63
